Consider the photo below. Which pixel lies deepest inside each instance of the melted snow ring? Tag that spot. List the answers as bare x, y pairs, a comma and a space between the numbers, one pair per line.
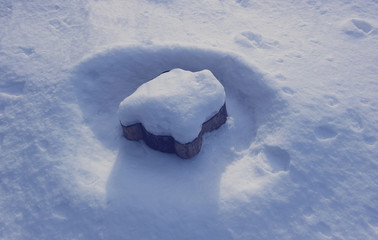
104, 79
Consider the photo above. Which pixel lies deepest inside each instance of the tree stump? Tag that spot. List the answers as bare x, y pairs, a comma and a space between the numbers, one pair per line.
168, 144
171, 112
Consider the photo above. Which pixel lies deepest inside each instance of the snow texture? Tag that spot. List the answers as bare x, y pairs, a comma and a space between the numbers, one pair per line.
175, 104
297, 158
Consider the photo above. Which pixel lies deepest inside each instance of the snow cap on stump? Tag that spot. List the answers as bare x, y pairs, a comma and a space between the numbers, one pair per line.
177, 104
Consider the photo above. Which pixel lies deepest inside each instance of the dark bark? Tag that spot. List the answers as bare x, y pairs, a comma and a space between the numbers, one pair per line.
168, 144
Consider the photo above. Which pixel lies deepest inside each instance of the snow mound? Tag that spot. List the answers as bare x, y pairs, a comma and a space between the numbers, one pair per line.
175, 104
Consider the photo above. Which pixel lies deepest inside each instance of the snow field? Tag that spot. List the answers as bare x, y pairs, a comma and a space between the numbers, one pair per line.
297, 158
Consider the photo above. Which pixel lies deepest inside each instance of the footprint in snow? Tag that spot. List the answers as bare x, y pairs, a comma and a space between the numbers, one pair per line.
358, 28
254, 40
86, 177
325, 132
331, 100
362, 25
26, 50
280, 77
355, 121
275, 159
58, 25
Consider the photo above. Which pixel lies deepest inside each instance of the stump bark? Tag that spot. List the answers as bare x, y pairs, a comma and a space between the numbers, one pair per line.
168, 144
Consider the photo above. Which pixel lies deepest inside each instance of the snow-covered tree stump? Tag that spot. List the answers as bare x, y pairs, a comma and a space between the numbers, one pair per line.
172, 112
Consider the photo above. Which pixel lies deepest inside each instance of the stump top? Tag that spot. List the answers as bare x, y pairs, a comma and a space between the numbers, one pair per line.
175, 103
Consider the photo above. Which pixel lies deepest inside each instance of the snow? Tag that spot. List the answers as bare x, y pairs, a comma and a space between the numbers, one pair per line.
297, 158
175, 104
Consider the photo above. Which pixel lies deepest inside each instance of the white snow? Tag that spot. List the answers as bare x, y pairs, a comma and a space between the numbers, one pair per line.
175, 104
297, 158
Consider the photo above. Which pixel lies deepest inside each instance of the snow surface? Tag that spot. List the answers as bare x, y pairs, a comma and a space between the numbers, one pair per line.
297, 159
175, 104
